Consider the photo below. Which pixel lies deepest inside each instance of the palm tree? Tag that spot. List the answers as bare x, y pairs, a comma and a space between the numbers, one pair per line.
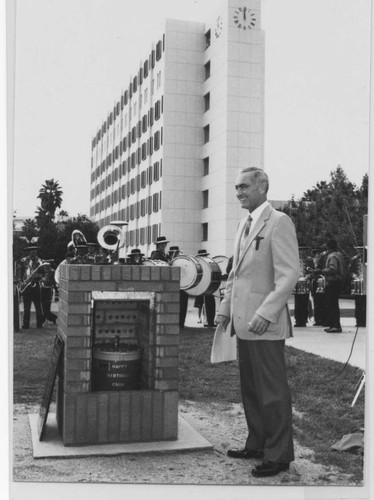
29, 230
50, 195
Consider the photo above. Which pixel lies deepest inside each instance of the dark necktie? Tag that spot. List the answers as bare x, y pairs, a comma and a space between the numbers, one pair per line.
247, 228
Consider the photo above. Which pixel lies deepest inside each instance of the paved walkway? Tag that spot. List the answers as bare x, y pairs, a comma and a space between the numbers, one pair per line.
336, 346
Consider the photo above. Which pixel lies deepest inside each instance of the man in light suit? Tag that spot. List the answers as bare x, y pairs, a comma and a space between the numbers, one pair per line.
264, 273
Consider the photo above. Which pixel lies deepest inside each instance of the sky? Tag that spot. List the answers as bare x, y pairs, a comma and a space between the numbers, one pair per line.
72, 59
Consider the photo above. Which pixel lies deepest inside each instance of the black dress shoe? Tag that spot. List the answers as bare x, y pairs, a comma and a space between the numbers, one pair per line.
244, 453
268, 468
333, 330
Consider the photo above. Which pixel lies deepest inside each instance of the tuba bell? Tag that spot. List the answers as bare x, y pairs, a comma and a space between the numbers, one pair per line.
110, 237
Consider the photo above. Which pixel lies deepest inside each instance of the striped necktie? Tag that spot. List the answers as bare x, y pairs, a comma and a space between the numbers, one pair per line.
247, 228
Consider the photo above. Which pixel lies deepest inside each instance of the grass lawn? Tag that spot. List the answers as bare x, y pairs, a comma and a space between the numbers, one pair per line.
322, 396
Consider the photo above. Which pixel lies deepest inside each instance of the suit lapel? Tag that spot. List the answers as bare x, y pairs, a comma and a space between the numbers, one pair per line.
260, 224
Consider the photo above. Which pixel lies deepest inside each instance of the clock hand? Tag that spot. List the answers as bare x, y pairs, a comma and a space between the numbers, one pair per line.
245, 13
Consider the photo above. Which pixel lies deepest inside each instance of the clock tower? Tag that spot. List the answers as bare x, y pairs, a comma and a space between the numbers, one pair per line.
235, 56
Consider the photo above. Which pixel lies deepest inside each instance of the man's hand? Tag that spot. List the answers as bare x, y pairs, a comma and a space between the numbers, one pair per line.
258, 325
220, 319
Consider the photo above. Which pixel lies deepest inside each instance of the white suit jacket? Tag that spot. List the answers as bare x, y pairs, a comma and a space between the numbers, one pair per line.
263, 276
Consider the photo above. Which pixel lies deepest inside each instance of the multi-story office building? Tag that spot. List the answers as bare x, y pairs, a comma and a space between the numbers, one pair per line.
166, 157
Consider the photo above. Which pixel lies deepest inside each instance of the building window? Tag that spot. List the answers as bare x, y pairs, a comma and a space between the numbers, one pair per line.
158, 50
156, 171
157, 140
207, 70
159, 79
144, 123
145, 67
207, 39
207, 101
206, 166
152, 57
205, 231
142, 208
132, 186
154, 232
151, 116
149, 203
157, 110
144, 151
150, 175
206, 134
205, 198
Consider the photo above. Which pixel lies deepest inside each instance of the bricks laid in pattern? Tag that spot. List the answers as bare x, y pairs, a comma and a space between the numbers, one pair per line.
151, 413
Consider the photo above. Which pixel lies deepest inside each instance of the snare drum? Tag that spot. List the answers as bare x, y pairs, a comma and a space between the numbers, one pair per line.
210, 280
191, 271
151, 262
357, 287
302, 286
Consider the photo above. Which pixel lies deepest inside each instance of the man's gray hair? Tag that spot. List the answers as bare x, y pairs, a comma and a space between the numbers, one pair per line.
259, 176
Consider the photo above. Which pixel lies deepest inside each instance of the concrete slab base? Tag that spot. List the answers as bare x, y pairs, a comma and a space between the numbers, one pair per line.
52, 446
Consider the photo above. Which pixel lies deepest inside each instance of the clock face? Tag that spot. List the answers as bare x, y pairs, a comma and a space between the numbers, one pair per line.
244, 18
219, 27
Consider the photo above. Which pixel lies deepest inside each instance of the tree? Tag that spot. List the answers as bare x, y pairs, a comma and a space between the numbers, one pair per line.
29, 230
333, 209
50, 195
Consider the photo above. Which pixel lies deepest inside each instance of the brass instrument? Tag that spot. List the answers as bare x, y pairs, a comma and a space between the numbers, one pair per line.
78, 238
29, 281
112, 238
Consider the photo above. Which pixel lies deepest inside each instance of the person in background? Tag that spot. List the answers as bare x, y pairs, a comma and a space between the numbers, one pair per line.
160, 252
183, 296
264, 273
208, 302
301, 296
47, 284
31, 290
318, 288
135, 257
333, 272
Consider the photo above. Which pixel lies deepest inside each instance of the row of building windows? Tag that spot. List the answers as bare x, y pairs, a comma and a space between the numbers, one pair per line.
137, 80
146, 149
146, 206
145, 178
143, 235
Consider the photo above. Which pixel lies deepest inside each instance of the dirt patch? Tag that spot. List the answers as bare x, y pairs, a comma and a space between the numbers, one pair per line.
222, 424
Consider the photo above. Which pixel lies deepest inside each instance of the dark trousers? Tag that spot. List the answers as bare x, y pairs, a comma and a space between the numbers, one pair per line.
266, 398
360, 310
320, 313
210, 309
183, 304
301, 308
32, 295
46, 299
332, 300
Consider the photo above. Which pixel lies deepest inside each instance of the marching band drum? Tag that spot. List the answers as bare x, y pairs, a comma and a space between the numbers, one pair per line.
191, 271
302, 286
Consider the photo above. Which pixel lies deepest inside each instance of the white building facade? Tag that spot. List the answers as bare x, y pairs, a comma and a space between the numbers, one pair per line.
166, 157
